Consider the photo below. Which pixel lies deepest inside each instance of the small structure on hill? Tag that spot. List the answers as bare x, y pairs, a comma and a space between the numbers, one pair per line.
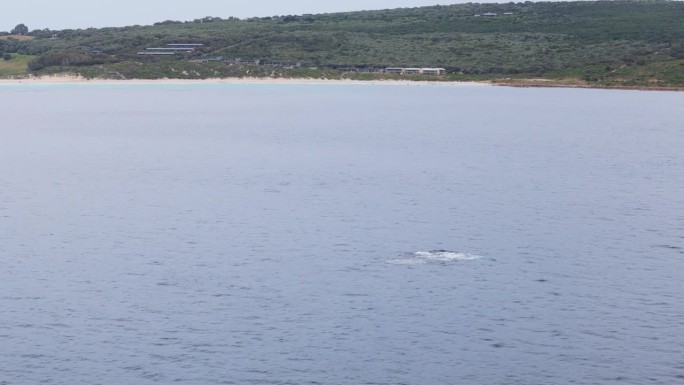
171, 49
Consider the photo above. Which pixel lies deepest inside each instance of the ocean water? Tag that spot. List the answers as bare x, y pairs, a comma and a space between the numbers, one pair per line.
340, 234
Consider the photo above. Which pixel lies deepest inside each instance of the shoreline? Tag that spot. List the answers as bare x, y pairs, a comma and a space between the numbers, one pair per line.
521, 83
70, 79
551, 83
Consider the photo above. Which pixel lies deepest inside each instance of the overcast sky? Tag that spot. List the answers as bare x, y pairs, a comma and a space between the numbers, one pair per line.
63, 14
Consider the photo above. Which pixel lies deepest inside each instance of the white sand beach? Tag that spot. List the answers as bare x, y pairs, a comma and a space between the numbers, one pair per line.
67, 79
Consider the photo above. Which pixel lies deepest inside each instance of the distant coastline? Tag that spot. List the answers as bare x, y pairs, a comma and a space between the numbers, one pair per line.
65, 79
631, 44
518, 83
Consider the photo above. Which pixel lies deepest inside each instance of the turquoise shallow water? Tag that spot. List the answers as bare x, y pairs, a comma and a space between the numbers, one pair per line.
340, 234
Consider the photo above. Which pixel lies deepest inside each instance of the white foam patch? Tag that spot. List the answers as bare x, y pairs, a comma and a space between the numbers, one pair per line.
435, 256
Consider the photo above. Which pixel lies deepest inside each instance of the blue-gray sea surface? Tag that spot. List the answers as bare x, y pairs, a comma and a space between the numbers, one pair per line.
340, 234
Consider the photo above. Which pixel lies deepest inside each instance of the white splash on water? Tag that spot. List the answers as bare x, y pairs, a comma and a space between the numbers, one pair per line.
434, 256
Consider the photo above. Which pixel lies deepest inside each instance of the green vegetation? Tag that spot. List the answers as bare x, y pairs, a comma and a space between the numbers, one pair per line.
603, 43
15, 66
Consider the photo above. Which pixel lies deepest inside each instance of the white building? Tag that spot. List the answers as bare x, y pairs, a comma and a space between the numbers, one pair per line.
433, 71
415, 71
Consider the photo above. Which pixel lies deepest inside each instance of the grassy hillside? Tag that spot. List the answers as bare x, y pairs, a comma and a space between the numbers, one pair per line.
16, 38
16, 66
611, 43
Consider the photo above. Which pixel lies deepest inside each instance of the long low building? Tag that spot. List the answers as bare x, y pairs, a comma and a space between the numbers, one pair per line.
184, 49
171, 49
415, 71
433, 71
156, 53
